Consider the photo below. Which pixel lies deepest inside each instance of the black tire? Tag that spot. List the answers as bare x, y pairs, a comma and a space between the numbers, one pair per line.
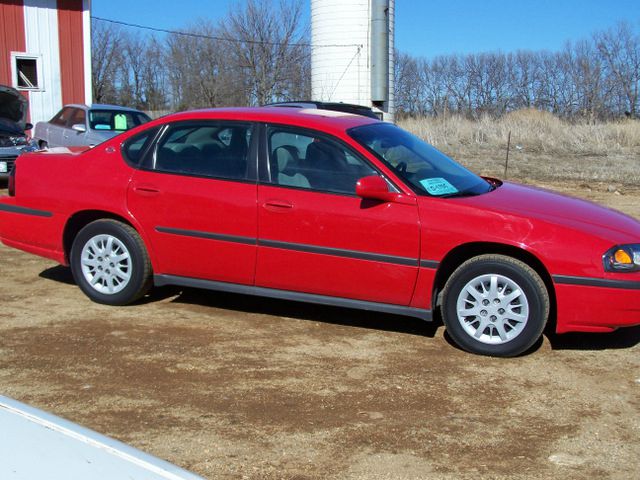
116, 280
490, 329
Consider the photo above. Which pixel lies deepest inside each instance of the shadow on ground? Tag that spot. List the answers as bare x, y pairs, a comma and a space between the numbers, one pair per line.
308, 311
622, 338
59, 273
269, 306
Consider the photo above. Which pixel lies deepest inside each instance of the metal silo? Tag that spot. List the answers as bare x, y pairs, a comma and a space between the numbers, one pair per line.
352, 52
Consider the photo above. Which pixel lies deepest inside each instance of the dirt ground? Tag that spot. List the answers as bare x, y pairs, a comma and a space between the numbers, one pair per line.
236, 387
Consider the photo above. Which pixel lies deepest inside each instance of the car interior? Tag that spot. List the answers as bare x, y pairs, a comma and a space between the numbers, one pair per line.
213, 151
314, 163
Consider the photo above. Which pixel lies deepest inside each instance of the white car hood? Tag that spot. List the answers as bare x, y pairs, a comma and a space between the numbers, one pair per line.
35, 445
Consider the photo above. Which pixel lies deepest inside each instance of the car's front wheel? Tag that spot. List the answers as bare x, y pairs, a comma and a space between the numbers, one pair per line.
110, 263
495, 305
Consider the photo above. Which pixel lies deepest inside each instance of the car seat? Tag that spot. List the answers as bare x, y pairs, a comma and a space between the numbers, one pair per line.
286, 173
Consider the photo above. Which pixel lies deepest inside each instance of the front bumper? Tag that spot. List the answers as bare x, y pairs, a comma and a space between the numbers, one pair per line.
589, 308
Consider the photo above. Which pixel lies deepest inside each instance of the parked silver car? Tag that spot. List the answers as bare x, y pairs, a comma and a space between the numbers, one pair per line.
13, 127
77, 125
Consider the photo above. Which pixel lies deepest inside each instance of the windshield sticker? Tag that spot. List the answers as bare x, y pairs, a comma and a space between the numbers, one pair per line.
120, 121
438, 186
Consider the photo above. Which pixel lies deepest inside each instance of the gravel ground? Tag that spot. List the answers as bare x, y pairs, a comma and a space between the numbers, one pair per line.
235, 387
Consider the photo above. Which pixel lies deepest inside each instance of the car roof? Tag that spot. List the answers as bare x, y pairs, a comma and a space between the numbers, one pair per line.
101, 106
326, 120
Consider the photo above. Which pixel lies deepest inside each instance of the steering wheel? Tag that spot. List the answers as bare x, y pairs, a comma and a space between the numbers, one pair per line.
401, 167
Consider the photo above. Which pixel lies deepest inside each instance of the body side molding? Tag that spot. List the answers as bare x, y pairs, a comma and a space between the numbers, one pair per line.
160, 280
24, 210
300, 247
596, 282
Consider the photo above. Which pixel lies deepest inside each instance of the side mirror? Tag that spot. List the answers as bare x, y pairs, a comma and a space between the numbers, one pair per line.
79, 127
28, 126
374, 187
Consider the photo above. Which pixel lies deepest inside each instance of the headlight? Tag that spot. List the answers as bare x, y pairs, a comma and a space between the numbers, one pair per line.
18, 140
622, 258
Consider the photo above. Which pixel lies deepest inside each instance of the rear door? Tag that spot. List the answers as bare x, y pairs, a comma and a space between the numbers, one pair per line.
316, 236
195, 196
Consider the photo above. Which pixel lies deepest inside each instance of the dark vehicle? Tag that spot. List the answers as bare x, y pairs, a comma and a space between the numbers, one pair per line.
13, 125
336, 106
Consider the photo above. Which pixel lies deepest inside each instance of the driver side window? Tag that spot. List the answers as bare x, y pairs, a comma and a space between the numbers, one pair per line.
62, 117
299, 158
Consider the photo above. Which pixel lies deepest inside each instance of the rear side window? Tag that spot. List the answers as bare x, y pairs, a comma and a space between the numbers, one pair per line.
135, 148
205, 149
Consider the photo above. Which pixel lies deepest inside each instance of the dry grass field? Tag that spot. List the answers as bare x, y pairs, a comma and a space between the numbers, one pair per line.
543, 147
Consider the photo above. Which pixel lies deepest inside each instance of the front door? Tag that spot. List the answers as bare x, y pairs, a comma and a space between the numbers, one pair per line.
195, 197
316, 236
57, 126
71, 137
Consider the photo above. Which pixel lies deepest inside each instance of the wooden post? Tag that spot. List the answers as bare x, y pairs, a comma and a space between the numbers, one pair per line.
506, 162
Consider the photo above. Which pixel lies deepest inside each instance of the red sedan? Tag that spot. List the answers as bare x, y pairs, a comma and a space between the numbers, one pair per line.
325, 207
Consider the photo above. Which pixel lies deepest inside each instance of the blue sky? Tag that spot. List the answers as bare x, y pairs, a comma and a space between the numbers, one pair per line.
429, 28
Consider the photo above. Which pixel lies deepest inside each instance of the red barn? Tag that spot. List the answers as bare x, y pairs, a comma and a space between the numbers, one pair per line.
45, 52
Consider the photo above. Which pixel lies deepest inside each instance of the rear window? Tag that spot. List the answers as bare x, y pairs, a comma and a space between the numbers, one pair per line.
115, 120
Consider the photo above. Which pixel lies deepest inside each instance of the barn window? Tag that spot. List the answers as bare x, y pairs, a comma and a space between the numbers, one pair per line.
27, 71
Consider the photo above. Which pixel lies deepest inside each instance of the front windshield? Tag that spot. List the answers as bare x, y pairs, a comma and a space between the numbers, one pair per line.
427, 170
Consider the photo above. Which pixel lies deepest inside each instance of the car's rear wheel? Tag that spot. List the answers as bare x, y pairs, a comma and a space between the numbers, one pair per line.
495, 305
110, 263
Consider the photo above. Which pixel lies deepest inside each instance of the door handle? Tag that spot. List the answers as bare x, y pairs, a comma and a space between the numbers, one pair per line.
146, 190
277, 205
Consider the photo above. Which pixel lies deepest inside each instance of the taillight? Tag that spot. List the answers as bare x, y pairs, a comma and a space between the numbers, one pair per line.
12, 181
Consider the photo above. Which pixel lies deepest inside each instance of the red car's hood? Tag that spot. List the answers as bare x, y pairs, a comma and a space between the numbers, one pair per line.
551, 207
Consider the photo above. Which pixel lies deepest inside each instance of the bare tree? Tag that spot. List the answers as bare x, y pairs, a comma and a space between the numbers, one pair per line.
620, 50
260, 53
154, 76
407, 91
525, 79
590, 79
106, 60
264, 43
584, 69
199, 71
